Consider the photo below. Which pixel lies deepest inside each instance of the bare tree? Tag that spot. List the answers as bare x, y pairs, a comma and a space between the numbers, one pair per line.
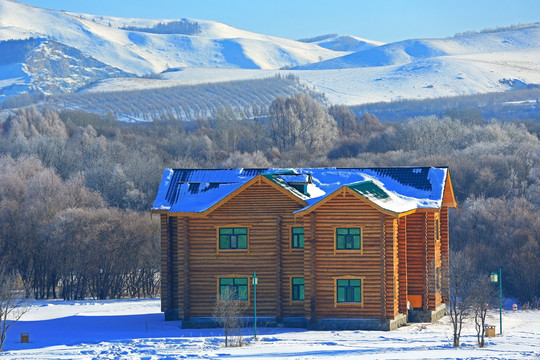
483, 295
461, 275
13, 305
227, 312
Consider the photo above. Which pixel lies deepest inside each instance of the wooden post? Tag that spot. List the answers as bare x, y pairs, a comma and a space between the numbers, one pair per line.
279, 284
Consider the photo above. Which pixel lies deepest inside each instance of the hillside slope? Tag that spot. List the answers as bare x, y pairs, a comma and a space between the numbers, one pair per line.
407, 51
59, 52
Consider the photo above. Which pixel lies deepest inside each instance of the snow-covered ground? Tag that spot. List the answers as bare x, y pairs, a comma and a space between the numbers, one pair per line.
135, 329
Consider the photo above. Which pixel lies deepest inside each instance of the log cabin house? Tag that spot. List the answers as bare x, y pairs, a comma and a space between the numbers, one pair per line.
360, 248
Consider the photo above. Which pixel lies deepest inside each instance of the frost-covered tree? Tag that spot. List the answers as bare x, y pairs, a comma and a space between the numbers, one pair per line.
300, 121
461, 275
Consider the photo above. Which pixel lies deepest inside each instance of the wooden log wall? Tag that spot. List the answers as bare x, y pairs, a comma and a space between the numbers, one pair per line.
444, 247
165, 283
392, 266
434, 260
423, 258
262, 218
402, 255
390, 269
310, 263
185, 245
346, 210
382, 255
292, 265
427, 266
174, 271
415, 253
279, 272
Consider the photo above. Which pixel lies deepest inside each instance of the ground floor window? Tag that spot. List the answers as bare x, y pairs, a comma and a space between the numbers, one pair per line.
349, 290
297, 288
235, 289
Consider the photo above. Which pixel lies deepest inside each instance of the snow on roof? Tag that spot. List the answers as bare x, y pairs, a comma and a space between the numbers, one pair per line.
394, 189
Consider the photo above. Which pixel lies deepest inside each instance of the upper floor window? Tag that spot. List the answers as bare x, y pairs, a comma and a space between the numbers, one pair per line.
348, 239
233, 238
297, 238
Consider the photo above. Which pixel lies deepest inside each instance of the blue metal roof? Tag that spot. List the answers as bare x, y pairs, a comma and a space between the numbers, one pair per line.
395, 189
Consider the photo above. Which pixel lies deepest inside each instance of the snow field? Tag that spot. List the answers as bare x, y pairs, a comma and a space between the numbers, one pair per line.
135, 329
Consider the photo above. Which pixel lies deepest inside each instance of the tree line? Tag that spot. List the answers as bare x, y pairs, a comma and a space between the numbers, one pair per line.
84, 183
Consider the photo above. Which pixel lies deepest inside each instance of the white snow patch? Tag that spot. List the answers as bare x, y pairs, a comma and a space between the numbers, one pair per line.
135, 329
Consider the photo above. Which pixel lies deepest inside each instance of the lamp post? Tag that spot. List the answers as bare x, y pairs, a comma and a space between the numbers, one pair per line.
497, 277
100, 291
255, 281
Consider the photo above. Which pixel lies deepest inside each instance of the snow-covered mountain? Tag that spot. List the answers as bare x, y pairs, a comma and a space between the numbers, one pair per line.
60, 52
131, 46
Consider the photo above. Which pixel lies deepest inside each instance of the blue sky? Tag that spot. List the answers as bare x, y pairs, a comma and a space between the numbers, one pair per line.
383, 20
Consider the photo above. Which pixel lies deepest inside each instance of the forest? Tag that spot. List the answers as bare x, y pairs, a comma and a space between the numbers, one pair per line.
76, 187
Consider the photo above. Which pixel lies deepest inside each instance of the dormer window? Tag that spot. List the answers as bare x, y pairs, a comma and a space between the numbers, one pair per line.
298, 181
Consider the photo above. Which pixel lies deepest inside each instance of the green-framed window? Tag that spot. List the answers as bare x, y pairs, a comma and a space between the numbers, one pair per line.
297, 288
234, 289
233, 238
349, 290
348, 239
297, 237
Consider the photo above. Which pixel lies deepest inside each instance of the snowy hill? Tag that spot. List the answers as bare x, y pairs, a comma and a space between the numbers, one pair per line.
140, 50
412, 69
343, 42
407, 51
59, 52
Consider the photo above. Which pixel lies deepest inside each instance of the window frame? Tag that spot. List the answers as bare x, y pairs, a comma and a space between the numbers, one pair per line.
352, 250
338, 303
232, 226
293, 300
234, 277
292, 247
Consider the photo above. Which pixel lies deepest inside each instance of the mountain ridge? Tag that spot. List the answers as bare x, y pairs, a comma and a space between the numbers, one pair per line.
98, 53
